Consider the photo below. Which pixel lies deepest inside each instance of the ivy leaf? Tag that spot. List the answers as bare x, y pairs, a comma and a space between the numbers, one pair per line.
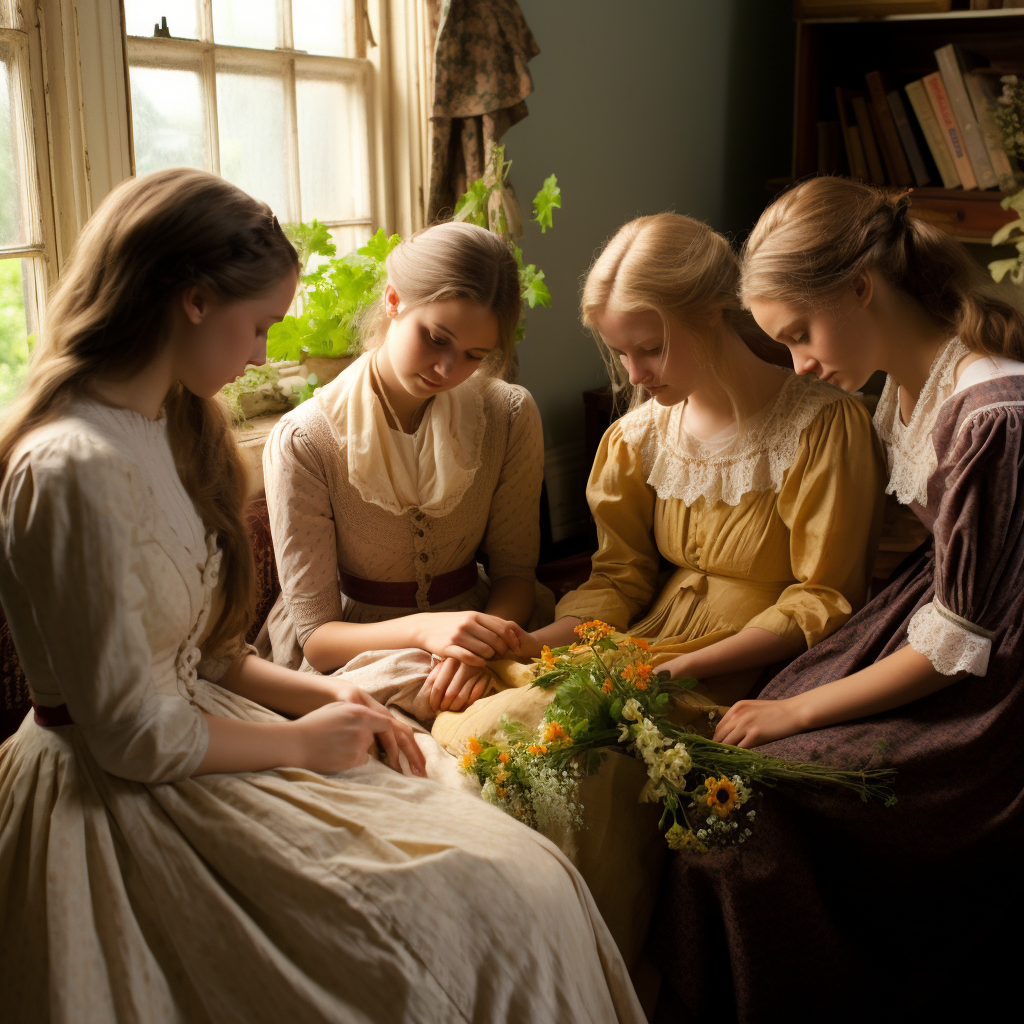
379, 247
312, 239
472, 204
545, 201
535, 291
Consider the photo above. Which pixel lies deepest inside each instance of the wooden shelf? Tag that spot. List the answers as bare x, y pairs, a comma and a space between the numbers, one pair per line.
971, 216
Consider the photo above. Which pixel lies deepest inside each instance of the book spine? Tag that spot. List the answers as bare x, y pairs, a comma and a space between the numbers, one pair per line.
889, 140
950, 130
960, 102
906, 133
867, 139
851, 138
918, 96
983, 102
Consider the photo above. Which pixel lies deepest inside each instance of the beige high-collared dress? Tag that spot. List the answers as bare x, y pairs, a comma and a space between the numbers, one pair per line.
132, 891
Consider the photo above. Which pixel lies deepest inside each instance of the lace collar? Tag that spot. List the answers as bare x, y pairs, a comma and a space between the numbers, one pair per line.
756, 458
908, 449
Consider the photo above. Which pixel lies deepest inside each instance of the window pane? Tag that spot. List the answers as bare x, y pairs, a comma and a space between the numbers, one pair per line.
247, 23
250, 116
323, 26
141, 16
333, 159
13, 329
350, 238
167, 118
12, 185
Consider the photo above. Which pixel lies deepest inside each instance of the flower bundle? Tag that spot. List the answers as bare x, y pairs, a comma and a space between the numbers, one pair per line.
608, 695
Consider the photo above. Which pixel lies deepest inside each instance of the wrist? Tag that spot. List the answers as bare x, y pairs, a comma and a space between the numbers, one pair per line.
292, 745
802, 707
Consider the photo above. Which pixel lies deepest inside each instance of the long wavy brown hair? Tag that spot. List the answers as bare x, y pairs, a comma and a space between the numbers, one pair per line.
152, 238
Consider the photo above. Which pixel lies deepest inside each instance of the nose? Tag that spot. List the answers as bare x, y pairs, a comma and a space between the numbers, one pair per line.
443, 364
804, 365
258, 355
638, 372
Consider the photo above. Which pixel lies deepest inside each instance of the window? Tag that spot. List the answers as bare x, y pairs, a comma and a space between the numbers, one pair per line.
26, 233
275, 95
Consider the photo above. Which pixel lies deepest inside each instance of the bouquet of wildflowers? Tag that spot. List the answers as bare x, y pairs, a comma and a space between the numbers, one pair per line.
608, 695
1009, 116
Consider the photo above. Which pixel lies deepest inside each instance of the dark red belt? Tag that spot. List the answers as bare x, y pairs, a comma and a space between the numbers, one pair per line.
50, 718
403, 595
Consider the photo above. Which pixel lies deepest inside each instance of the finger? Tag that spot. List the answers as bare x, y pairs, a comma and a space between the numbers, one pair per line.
452, 693
463, 654
389, 745
478, 691
484, 633
442, 681
407, 742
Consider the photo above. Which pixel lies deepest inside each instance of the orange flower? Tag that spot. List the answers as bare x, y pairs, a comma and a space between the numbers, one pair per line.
553, 732
466, 761
639, 674
721, 795
474, 745
547, 659
593, 631
606, 686
503, 757
536, 748
640, 642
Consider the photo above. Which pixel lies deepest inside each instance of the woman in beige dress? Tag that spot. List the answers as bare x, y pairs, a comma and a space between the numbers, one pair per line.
171, 850
383, 489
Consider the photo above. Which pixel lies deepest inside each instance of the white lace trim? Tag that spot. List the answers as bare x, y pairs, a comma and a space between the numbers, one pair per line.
909, 450
950, 643
756, 458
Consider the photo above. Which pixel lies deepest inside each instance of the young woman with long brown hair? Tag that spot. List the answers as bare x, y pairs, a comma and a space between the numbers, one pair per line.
925, 679
169, 848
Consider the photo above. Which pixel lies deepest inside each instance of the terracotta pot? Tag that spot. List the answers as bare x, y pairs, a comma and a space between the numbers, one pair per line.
327, 368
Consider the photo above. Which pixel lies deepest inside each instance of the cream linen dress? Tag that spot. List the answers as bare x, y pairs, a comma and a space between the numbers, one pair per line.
132, 891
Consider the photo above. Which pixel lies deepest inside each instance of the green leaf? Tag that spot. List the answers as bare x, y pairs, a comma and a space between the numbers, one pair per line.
489, 754
687, 684
312, 239
285, 339
531, 283
1006, 230
472, 204
616, 709
545, 201
379, 247
550, 679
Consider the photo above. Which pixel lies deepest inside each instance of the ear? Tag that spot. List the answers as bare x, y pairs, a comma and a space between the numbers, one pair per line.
392, 302
194, 304
864, 288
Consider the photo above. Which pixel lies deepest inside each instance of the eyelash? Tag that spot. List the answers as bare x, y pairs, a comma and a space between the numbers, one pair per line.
442, 342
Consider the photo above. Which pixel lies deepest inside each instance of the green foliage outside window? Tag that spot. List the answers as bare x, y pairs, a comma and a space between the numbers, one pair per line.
14, 340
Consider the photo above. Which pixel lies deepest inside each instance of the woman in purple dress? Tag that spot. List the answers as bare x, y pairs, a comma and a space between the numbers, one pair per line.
834, 907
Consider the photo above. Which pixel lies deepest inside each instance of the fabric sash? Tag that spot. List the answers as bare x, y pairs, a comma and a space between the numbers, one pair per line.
403, 595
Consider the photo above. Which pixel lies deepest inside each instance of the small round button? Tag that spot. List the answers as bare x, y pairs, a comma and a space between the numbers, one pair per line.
424, 557
419, 533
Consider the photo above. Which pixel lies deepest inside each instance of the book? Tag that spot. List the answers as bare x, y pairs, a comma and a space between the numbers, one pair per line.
951, 66
932, 132
865, 128
907, 138
983, 91
888, 137
851, 137
831, 148
950, 129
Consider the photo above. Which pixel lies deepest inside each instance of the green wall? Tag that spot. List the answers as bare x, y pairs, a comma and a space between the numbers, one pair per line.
640, 107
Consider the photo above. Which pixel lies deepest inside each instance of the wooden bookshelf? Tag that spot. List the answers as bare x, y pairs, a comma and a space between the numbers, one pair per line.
839, 51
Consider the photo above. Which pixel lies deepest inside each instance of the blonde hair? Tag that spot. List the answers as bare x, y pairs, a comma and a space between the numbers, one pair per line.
815, 240
675, 267
449, 261
150, 239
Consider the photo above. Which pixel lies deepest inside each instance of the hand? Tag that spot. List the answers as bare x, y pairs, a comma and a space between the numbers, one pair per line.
676, 668
342, 735
453, 685
471, 637
749, 723
530, 646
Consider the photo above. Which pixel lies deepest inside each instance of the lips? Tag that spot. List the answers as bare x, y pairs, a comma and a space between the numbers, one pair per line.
430, 383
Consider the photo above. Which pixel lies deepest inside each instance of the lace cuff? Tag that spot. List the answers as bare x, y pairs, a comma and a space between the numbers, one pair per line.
950, 643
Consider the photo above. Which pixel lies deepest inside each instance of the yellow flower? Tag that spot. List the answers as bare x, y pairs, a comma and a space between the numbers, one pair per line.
553, 732
474, 745
536, 748
466, 761
606, 686
721, 795
680, 838
547, 659
593, 631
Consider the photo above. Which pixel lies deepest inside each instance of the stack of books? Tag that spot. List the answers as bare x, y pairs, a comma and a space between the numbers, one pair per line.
936, 130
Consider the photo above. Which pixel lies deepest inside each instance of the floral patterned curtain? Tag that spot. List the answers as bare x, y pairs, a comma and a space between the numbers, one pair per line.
481, 81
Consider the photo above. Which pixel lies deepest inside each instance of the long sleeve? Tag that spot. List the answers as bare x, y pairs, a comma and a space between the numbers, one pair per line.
831, 500
625, 568
512, 538
979, 541
77, 610
302, 525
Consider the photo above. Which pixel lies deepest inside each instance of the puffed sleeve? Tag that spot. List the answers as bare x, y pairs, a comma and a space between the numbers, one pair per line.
979, 543
302, 526
69, 533
831, 500
512, 538
624, 574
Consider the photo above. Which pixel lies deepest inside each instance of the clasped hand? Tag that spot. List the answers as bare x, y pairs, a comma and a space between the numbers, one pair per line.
471, 637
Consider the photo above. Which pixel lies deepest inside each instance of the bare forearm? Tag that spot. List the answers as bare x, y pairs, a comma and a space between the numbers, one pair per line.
512, 598
559, 633
750, 648
335, 643
278, 688
237, 746
902, 677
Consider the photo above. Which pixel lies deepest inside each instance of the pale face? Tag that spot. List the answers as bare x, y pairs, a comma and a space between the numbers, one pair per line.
436, 346
219, 338
839, 344
637, 340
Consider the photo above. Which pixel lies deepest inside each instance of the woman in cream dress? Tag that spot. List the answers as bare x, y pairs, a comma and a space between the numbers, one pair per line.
383, 489
169, 848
